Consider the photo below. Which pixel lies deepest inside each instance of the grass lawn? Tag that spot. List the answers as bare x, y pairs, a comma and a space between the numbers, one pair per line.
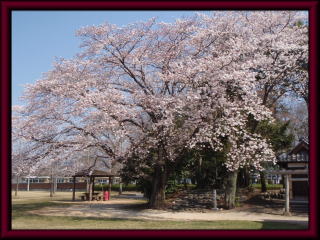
22, 219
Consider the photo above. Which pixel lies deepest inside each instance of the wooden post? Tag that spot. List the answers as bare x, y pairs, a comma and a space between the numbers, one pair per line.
287, 204
88, 184
74, 189
109, 190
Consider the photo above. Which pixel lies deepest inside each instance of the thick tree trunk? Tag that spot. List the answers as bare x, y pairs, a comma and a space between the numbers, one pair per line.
263, 181
157, 198
231, 187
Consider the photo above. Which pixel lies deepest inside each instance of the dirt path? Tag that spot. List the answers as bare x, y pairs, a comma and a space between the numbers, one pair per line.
132, 209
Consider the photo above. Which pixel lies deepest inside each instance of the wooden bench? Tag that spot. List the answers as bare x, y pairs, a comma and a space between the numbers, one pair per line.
95, 196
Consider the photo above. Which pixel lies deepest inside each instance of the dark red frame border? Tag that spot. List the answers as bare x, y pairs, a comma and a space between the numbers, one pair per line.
8, 6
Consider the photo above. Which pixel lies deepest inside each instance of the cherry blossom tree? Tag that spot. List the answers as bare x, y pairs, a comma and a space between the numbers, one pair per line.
20, 165
144, 93
282, 52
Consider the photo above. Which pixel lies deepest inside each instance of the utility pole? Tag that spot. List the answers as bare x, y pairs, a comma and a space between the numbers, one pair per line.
28, 184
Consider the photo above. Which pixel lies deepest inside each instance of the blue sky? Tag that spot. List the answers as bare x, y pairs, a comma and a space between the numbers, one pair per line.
40, 36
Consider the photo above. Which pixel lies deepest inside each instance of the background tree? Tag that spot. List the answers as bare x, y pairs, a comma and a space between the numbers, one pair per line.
297, 113
21, 165
280, 139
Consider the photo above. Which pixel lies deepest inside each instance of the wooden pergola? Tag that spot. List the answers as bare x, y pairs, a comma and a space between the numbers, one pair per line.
91, 174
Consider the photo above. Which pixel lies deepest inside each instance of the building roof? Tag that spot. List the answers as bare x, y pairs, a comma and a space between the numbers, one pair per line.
94, 173
302, 145
296, 154
293, 158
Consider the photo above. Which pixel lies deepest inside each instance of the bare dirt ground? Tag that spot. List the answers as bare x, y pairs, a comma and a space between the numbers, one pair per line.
133, 206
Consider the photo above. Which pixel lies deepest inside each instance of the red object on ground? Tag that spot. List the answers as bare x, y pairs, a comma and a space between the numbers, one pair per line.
106, 196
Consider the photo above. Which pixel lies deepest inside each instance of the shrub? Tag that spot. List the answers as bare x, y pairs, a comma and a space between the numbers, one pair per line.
269, 186
115, 187
172, 188
250, 188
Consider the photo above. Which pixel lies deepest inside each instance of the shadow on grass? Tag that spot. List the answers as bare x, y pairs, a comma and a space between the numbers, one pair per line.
34, 221
21, 213
23, 208
285, 225
105, 219
135, 206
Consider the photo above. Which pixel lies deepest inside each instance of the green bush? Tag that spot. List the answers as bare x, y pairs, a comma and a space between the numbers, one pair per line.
137, 188
237, 202
188, 186
115, 187
172, 188
250, 188
269, 186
